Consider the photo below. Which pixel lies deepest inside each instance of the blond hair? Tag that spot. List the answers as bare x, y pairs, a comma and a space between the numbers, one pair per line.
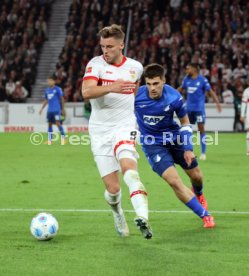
112, 31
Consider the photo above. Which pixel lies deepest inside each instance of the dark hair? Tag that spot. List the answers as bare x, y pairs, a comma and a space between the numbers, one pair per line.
194, 65
112, 31
52, 77
154, 70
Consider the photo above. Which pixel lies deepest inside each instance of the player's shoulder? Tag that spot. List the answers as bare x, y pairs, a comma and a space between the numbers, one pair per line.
171, 91
97, 60
202, 78
134, 63
141, 92
246, 91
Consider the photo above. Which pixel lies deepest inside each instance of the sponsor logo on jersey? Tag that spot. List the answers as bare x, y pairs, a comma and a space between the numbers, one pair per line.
152, 120
192, 89
142, 106
109, 72
89, 70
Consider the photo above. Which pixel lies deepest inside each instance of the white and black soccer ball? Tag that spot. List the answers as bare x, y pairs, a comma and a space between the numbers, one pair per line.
44, 226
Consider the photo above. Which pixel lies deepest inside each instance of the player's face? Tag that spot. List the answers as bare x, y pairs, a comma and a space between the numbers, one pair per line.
112, 49
155, 87
51, 82
189, 70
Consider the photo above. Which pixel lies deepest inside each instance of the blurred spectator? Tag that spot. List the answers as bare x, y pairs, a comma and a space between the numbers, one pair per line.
23, 29
172, 32
227, 94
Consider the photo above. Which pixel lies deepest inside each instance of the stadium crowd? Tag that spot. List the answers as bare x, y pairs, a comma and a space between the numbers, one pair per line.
213, 33
23, 29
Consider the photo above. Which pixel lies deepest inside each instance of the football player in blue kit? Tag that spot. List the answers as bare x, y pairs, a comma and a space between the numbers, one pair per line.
195, 86
165, 143
54, 99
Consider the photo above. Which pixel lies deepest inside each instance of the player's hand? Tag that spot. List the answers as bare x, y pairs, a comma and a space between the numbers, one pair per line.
121, 86
63, 112
189, 156
242, 119
40, 112
219, 108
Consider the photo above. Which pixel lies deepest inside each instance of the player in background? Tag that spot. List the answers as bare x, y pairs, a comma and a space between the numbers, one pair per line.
54, 99
165, 143
109, 82
195, 86
244, 117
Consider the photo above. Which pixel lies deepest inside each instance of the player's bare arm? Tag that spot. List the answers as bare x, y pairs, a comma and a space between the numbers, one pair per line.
43, 106
181, 90
216, 100
63, 113
189, 156
90, 89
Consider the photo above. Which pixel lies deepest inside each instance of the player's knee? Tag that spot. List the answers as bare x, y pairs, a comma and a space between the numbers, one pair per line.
127, 160
196, 176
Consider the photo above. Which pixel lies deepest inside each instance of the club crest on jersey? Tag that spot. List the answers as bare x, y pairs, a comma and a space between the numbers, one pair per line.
133, 74
89, 70
167, 108
152, 120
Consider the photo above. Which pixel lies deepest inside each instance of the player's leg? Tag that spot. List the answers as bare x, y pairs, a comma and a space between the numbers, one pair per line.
50, 128
57, 117
247, 134
247, 141
171, 176
201, 129
196, 179
125, 152
108, 169
177, 154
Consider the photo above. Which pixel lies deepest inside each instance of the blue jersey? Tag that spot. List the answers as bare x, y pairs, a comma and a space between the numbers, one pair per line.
53, 96
155, 117
196, 89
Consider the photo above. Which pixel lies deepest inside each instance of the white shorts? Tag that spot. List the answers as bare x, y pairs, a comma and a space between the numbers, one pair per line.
107, 143
246, 123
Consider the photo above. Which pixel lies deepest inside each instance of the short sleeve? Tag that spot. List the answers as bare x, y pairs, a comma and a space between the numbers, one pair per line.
180, 107
183, 85
207, 86
60, 92
92, 70
140, 71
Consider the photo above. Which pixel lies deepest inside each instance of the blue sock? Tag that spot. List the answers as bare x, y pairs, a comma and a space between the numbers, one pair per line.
197, 189
196, 207
61, 130
50, 133
203, 143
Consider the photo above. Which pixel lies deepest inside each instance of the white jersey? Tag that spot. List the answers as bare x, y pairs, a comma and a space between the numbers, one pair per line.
245, 104
114, 108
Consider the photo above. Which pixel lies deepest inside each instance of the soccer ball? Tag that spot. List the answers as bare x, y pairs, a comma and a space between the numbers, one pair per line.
44, 226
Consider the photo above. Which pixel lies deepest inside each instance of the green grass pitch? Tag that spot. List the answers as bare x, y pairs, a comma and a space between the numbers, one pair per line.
62, 178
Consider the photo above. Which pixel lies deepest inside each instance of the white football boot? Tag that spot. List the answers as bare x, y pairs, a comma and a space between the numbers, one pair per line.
120, 224
203, 157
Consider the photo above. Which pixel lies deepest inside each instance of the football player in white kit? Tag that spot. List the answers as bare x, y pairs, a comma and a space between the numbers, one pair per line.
110, 82
244, 115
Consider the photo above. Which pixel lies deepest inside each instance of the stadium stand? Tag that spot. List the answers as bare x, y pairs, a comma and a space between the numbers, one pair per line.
23, 29
213, 33
172, 32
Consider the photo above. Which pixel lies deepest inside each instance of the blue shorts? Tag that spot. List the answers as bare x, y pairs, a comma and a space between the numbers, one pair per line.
161, 157
197, 116
53, 117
